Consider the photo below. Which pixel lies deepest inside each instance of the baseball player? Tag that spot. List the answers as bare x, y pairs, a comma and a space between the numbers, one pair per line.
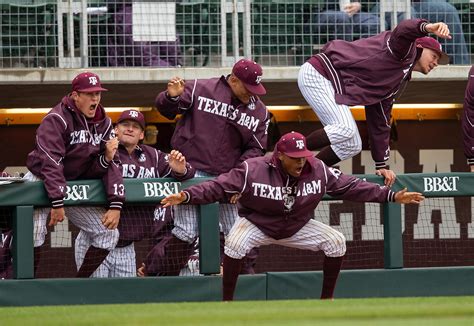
467, 121
278, 196
223, 123
371, 72
75, 140
157, 261
137, 161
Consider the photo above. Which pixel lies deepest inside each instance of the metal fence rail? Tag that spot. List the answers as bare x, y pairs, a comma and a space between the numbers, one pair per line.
195, 33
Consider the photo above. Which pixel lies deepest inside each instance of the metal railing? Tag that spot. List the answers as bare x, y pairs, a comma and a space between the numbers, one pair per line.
194, 33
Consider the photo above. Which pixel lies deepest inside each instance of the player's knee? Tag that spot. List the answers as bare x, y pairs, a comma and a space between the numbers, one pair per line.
39, 236
232, 252
350, 148
336, 246
106, 240
234, 248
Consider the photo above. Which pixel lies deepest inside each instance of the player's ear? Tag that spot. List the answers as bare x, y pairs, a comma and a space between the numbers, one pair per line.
280, 156
142, 135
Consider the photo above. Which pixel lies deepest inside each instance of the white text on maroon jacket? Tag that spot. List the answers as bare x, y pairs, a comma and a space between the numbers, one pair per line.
228, 111
276, 193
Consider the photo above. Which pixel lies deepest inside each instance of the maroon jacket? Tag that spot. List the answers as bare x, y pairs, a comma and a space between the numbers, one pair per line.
467, 119
137, 222
278, 204
371, 71
216, 131
71, 147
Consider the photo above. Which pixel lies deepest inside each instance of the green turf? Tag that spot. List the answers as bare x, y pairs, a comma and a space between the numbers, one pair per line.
380, 311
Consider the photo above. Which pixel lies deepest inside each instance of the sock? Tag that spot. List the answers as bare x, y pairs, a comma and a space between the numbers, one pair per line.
317, 139
331, 269
92, 260
229, 280
36, 260
328, 156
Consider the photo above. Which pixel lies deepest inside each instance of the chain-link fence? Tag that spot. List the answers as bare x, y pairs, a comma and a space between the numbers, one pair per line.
196, 33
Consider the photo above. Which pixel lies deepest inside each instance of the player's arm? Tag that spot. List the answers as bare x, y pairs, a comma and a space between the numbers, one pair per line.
108, 153
220, 189
378, 124
115, 190
341, 186
177, 98
51, 151
404, 35
174, 164
467, 121
258, 143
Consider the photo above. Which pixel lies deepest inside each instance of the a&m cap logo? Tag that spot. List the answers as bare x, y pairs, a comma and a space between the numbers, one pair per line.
93, 80
258, 80
133, 114
299, 144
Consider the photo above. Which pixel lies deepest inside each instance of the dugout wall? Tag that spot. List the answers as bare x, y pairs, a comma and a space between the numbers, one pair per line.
447, 215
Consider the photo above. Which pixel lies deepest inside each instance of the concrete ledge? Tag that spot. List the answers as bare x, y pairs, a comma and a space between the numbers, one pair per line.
157, 75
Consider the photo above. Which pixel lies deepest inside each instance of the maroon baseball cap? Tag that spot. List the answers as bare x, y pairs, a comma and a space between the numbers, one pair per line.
293, 144
432, 44
250, 74
134, 116
87, 82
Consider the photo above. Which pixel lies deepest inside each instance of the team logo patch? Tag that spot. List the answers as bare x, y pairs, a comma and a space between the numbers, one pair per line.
133, 114
251, 106
93, 80
142, 158
288, 201
299, 144
258, 80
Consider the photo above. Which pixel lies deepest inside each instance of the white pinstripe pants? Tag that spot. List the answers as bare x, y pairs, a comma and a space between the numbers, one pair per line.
337, 119
86, 218
314, 236
120, 262
185, 217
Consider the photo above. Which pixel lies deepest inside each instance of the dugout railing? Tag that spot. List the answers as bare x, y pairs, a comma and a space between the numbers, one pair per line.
393, 280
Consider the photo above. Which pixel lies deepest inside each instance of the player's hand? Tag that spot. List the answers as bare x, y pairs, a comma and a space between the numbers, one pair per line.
472, 168
235, 198
111, 148
174, 199
389, 176
352, 8
141, 271
177, 162
175, 87
57, 215
405, 197
111, 219
439, 29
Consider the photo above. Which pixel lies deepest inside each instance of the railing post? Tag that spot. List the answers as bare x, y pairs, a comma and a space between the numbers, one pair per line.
392, 230
23, 242
209, 239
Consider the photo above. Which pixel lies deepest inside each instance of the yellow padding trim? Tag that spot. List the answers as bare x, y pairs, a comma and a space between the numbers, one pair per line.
33, 116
